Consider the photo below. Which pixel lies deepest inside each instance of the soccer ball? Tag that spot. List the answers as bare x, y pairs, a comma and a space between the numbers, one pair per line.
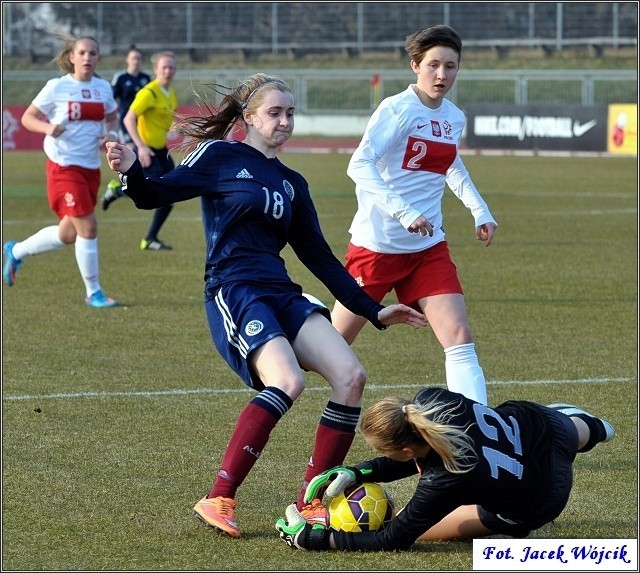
364, 507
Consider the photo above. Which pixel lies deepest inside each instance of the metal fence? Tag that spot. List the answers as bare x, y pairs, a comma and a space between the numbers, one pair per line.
199, 28
353, 91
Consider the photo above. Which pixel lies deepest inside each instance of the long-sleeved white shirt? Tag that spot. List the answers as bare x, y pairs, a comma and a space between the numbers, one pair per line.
407, 154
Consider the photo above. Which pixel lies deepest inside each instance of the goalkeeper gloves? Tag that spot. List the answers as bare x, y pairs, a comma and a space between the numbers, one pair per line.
333, 482
297, 533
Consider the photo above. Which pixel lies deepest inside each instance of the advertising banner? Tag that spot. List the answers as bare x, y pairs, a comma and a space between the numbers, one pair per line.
623, 129
16, 137
537, 127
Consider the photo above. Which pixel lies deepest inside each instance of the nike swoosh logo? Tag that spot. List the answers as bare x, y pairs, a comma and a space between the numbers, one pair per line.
421, 126
579, 130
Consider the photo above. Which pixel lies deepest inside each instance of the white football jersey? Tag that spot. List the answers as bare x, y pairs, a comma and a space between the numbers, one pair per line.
407, 154
81, 107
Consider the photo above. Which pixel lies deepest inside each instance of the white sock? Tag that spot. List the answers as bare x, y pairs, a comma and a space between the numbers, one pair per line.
44, 241
87, 259
463, 372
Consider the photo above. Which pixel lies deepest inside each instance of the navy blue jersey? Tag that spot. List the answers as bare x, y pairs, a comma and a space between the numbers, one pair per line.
252, 207
125, 87
513, 475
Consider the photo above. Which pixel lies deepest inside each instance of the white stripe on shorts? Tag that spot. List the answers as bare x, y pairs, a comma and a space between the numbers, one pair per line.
233, 336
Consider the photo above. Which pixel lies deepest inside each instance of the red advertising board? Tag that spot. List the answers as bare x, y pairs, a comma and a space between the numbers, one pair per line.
16, 137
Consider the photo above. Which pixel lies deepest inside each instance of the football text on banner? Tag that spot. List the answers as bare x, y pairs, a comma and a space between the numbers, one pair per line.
537, 127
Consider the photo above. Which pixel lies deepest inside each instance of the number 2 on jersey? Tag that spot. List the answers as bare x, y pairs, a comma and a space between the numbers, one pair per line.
427, 155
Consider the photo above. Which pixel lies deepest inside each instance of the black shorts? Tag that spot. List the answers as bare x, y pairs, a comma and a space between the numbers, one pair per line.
161, 163
560, 479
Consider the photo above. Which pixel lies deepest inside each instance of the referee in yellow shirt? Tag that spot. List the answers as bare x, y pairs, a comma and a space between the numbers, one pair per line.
148, 122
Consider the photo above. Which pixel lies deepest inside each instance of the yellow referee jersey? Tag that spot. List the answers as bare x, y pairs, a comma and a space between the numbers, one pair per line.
155, 110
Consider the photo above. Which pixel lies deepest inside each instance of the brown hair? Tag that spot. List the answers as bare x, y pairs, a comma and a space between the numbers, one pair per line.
217, 123
70, 42
417, 44
132, 48
395, 423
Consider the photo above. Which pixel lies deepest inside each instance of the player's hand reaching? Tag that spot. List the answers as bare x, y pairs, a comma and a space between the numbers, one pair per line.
119, 156
402, 314
299, 534
332, 483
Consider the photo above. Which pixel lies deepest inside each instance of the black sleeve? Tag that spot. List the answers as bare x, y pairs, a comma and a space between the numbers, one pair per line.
181, 184
365, 541
385, 469
309, 244
437, 494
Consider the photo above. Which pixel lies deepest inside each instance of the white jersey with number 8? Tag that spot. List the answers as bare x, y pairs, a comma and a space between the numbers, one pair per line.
81, 107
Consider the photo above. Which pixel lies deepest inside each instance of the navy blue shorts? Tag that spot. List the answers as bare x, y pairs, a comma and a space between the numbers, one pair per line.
564, 447
243, 317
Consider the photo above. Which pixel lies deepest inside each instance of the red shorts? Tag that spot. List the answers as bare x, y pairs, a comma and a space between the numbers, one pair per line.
72, 190
413, 275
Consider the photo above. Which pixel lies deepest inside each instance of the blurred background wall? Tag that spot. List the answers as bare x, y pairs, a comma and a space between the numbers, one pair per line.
300, 27
220, 43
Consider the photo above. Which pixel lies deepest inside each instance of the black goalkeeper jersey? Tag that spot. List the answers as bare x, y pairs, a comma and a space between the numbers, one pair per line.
511, 476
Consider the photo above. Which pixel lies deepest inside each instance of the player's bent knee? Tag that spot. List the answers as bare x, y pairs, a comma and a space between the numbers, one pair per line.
356, 381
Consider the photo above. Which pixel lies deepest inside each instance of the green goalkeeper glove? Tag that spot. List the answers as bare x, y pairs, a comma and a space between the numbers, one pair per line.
297, 533
333, 482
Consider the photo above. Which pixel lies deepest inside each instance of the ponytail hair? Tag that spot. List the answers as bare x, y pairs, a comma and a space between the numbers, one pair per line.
133, 48
394, 423
217, 123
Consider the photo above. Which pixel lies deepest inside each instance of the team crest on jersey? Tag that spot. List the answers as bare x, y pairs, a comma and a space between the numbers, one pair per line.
435, 128
69, 200
288, 188
253, 328
86, 94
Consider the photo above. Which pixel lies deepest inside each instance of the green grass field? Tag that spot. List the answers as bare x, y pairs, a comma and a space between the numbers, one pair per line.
114, 420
